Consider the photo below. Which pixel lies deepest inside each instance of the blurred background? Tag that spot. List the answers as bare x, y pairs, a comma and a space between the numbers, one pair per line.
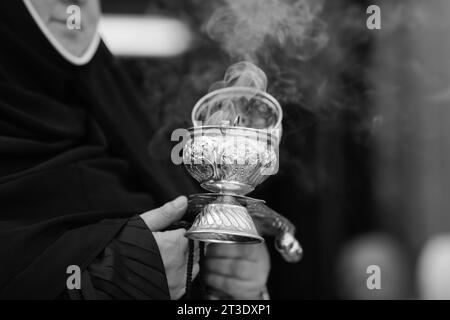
365, 155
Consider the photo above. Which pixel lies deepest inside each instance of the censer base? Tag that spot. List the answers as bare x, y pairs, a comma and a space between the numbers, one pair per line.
220, 236
222, 218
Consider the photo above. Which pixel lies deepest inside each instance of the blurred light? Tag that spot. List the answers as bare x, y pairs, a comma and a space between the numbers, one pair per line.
145, 36
434, 269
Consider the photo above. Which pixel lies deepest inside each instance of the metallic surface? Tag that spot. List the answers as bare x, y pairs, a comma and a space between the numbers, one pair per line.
267, 222
225, 223
266, 110
230, 159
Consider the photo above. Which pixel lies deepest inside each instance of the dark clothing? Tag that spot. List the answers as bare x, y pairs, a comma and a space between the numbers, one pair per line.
75, 163
129, 267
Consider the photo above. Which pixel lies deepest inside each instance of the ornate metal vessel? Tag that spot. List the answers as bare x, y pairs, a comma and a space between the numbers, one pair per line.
232, 148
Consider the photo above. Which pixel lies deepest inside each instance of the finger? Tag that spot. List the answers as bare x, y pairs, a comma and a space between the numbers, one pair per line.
181, 244
206, 246
172, 238
162, 217
178, 294
235, 268
233, 287
195, 270
233, 251
173, 247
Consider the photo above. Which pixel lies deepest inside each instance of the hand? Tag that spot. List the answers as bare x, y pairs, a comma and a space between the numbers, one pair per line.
238, 270
173, 245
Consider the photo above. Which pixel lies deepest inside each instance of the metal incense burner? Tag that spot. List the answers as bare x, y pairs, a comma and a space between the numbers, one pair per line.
232, 148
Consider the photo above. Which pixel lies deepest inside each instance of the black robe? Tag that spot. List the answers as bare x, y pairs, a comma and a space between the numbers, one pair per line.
78, 158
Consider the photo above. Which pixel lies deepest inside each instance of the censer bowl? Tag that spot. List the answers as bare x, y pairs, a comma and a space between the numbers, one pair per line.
230, 159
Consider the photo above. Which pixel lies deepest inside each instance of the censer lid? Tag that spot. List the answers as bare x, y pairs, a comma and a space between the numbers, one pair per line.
239, 106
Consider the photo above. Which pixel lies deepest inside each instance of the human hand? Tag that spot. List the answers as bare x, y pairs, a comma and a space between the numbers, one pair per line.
238, 270
173, 245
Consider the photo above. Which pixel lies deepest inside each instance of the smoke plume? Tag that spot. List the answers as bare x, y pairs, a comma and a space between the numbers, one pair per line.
248, 29
242, 74
235, 109
270, 35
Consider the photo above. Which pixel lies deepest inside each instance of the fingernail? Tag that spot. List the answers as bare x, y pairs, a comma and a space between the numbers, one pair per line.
179, 202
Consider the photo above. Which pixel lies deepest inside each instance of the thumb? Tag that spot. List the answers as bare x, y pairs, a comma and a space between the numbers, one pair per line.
162, 217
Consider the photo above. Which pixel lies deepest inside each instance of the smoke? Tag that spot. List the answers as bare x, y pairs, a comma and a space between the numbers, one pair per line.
248, 29
274, 35
240, 108
242, 74
236, 109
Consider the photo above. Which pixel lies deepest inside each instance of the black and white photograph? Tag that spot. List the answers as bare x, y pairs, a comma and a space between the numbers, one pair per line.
246, 151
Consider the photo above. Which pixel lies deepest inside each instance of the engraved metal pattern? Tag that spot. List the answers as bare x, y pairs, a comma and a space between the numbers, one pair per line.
230, 158
224, 222
267, 222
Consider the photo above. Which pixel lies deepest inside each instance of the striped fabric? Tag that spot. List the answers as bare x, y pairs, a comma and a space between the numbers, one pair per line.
130, 267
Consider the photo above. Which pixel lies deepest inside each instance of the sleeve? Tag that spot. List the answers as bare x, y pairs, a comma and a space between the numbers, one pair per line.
130, 267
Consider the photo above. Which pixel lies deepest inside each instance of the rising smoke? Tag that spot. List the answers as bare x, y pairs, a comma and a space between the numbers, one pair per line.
242, 74
250, 31
236, 108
